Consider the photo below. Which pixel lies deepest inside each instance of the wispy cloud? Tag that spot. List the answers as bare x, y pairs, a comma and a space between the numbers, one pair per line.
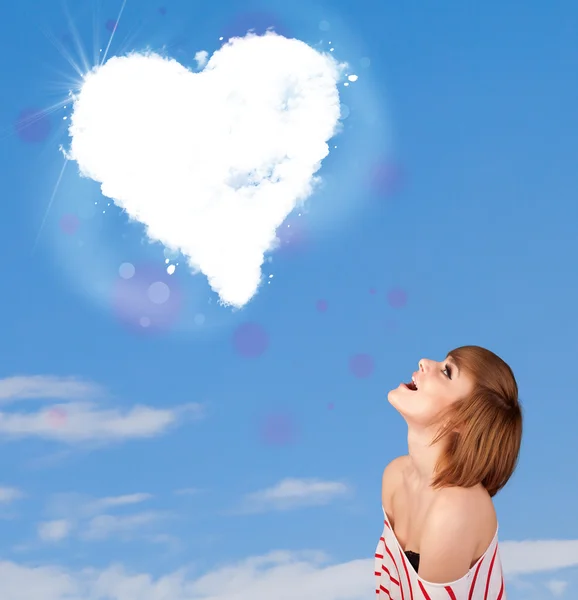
557, 586
293, 493
280, 575
87, 518
79, 421
189, 492
112, 501
54, 531
81, 506
534, 556
125, 526
10, 494
42, 387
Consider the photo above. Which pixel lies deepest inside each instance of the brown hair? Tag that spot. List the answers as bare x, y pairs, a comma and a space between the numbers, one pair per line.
484, 430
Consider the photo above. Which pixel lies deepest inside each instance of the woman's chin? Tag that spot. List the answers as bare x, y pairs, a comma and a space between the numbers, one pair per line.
393, 394
399, 397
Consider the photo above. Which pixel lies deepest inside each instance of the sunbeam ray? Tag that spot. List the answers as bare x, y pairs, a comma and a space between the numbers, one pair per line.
126, 45
50, 202
63, 52
113, 32
64, 83
76, 39
95, 33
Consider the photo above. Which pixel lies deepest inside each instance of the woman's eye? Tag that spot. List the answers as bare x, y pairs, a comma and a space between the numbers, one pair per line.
448, 371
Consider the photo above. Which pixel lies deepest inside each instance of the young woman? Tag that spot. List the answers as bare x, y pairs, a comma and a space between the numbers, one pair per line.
440, 536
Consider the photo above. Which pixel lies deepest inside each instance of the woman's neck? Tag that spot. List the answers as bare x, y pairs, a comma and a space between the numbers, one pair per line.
423, 456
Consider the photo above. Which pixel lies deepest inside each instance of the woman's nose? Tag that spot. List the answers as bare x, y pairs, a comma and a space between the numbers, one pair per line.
422, 364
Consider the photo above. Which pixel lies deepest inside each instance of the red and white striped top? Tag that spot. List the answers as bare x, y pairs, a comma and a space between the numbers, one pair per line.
396, 579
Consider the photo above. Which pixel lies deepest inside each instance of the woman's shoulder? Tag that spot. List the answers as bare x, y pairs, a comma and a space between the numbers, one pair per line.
457, 531
471, 500
471, 506
394, 469
392, 476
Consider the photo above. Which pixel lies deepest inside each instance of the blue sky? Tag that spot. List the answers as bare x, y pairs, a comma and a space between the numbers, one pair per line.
168, 455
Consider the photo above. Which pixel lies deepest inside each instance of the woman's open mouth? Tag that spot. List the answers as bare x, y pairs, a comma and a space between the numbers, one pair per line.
411, 386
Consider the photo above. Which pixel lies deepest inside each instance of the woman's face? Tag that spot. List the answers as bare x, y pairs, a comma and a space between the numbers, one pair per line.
438, 384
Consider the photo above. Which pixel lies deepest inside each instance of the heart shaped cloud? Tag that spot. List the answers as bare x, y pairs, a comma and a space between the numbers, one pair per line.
211, 163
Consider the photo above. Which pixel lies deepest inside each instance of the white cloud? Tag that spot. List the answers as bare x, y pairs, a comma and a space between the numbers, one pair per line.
294, 493
540, 555
111, 501
201, 58
9, 494
80, 421
105, 526
80, 506
189, 491
85, 422
557, 586
49, 583
87, 518
43, 387
210, 163
54, 531
280, 575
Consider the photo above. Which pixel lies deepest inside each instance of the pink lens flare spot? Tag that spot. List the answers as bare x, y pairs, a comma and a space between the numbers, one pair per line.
33, 126
292, 235
278, 429
250, 340
69, 224
372, 291
321, 305
361, 366
146, 298
111, 25
331, 406
397, 298
56, 417
386, 177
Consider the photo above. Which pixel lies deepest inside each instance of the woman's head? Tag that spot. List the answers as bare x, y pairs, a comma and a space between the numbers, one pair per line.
469, 403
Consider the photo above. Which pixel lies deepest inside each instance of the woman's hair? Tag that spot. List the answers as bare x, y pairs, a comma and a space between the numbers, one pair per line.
484, 430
